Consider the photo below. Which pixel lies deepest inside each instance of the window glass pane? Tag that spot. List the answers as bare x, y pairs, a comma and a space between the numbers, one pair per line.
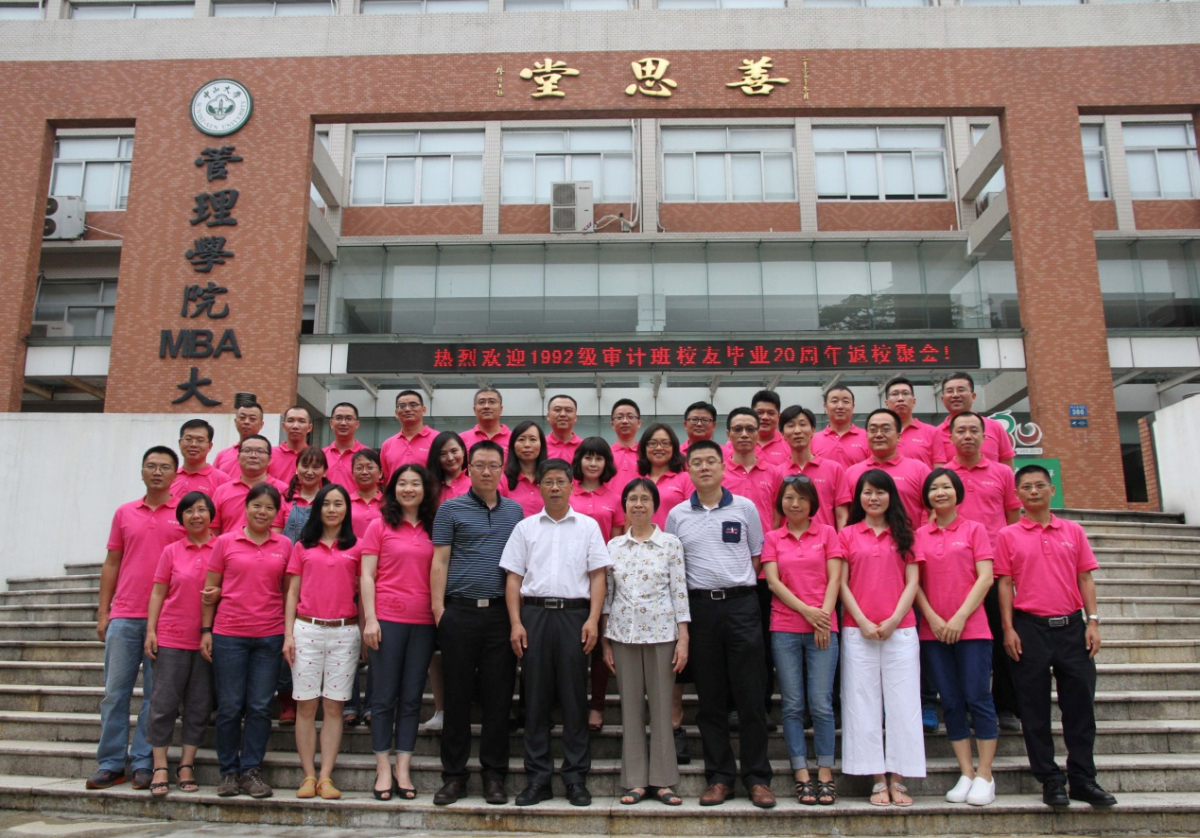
367, 185
122, 185
83, 320
734, 287
618, 177
1143, 174
385, 143
571, 271
98, 185
1118, 284
898, 298
455, 6
101, 12
296, 8
778, 178
164, 10
831, 176
391, 7
789, 286
598, 5
710, 177
108, 292
517, 271
843, 138
401, 181
1167, 296
33, 12
1154, 135
897, 176
746, 176
126, 147
587, 167
1090, 135
549, 169
468, 180
446, 142
931, 175
67, 179
843, 286
533, 141
516, 180
533, 5
762, 138
680, 139
1093, 164
1173, 173
606, 139
911, 137
435, 180
88, 148
677, 178
243, 10
681, 279
861, 176
998, 282
952, 288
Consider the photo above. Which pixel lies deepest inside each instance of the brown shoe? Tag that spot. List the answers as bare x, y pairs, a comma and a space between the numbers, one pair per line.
716, 794
494, 793
449, 793
762, 796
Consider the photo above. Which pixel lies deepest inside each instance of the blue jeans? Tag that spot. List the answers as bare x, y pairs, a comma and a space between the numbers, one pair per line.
122, 656
398, 668
245, 671
962, 672
801, 667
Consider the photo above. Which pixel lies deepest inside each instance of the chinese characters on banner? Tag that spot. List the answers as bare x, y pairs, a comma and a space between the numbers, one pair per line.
662, 356
650, 78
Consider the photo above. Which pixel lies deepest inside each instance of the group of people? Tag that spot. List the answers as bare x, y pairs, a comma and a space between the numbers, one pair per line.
896, 550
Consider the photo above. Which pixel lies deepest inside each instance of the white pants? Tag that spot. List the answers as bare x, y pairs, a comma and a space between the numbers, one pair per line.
326, 661
881, 704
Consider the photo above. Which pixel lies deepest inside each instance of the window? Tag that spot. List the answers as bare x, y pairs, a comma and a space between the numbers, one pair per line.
729, 164
308, 316
416, 7
721, 4
278, 8
565, 5
87, 305
1162, 160
994, 186
910, 163
21, 11
870, 4
535, 159
94, 168
1019, 2
118, 11
1093, 161
420, 167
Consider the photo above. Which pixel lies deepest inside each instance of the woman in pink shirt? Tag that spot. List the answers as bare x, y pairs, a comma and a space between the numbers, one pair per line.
242, 634
956, 643
181, 674
526, 451
321, 632
447, 454
398, 628
802, 561
660, 459
311, 467
367, 470
881, 669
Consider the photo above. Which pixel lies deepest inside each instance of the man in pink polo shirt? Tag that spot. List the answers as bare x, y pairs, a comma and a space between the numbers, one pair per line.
562, 412
254, 459
842, 440
196, 475
488, 406
297, 425
411, 444
626, 418
340, 453
140, 531
699, 422
918, 440
1048, 608
958, 395
772, 447
883, 433
834, 493
248, 419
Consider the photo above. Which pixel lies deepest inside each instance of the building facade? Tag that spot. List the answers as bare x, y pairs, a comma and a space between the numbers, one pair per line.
782, 195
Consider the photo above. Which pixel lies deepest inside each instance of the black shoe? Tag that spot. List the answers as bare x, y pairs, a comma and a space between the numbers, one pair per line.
1008, 720
494, 793
1091, 793
105, 778
1054, 793
682, 757
578, 794
734, 722
141, 779
771, 725
449, 793
535, 793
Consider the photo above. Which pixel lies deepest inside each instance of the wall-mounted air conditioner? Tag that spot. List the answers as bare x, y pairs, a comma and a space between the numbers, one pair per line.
571, 208
64, 218
52, 329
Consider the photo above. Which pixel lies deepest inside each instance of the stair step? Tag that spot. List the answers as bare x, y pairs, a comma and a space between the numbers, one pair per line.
61, 630
84, 569
1143, 606
1138, 571
50, 596
1123, 516
1116, 555
78, 580
1129, 588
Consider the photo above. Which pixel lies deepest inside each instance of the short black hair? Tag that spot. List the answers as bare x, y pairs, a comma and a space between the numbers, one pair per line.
196, 423
708, 408
959, 376
641, 483
298, 407
834, 389
803, 485
675, 465
767, 396
887, 388
895, 416
553, 464
254, 436
739, 411
254, 405
954, 419
1029, 469
599, 446
550, 400
705, 445
478, 393
191, 499
960, 491
260, 489
343, 404
404, 393
484, 445
792, 413
162, 449
625, 403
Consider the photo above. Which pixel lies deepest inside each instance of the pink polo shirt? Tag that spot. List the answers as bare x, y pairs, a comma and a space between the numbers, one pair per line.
997, 444
802, 569
776, 452
251, 586
876, 571
206, 480
457, 486
991, 491
525, 493
283, 462
341, 464
758, 484
603, 506
1044, 563
563, 450
140, 534
405, 554
230, 501
328, 580
182, 567
848, 448
362, 513
909, 476
673, 489
476, 434
948, 556
921, 441
832, 489
625, 458
227, 461
399, 449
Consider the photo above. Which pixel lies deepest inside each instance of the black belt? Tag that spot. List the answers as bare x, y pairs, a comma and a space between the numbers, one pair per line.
720, 594
471, 602
1051, 622
556, 603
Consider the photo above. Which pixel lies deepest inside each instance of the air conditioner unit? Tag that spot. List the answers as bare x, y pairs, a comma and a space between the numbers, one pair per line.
64, 218
52, 329
571, 208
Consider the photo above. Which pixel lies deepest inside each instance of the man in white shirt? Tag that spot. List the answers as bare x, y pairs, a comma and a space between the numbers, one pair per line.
555, 592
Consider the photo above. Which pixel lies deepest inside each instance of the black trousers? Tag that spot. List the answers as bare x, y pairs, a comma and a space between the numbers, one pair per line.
1004, 693
764, 608
727, 660
554, 665
1063, 651
476, 654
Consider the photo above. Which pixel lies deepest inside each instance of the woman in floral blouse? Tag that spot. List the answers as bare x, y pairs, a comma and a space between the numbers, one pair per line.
645, 640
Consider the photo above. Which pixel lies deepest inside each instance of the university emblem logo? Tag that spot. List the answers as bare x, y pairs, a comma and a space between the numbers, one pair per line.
221, 107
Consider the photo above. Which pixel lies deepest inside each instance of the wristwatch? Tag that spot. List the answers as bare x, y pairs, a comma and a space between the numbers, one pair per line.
1095, 617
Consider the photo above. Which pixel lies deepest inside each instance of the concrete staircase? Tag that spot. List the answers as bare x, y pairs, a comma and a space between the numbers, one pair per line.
1148, 744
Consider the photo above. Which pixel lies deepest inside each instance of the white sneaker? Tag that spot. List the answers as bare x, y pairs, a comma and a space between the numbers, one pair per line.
958, 794
435, 721
982, 792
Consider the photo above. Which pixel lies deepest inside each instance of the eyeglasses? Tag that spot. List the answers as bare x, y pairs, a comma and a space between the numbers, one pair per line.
254, 452
484, 468
797, 480
556, 484
658, 443
158, 469
408, 406
698, 420
743, 430
900, 394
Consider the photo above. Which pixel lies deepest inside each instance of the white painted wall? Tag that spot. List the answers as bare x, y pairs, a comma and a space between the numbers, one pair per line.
1179, 458
66, 473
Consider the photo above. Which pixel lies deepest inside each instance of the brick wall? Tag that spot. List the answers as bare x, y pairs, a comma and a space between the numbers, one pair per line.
1104, 215
535, 218
1167, 215
886, 215
451, 220
730, 218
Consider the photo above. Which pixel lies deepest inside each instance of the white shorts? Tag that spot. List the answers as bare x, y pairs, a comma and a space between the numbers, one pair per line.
326, 661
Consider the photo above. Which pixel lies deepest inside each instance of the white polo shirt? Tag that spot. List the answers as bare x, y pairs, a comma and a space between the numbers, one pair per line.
718, 543
555, 557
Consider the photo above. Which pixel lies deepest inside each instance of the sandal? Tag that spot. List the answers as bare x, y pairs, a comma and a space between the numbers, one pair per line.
806, 792
161, 789
900, 788
826, 793
384, 794
327, 790
186, 785
308, 788
632, 796
406, 794
668, 797
878, 789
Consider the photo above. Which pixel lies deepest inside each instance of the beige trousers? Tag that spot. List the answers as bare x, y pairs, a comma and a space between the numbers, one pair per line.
644, 671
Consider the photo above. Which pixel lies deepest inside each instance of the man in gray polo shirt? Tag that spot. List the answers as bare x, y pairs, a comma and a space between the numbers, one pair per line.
722, 538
